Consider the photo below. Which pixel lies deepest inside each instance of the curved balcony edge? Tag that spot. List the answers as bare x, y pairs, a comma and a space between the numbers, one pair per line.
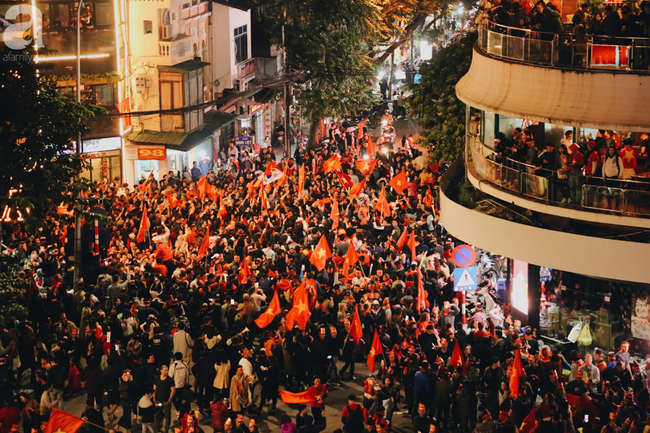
599, 100
558, 250
488, 188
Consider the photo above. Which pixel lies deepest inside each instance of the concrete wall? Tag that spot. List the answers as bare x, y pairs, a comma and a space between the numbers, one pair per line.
606, 100
224, 20
603, 258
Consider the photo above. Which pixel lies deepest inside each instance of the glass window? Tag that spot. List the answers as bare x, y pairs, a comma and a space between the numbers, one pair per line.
104, 14
104, 95
148, 27
241, 44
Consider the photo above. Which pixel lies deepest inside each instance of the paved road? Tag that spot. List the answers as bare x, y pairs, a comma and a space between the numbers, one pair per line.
269, 422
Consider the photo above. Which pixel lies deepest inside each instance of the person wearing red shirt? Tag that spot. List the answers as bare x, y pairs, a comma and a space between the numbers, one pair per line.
628, 156
318, 405
353, 416
159, 268
9, 415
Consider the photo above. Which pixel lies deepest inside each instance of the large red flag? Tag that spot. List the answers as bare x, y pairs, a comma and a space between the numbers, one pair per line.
382, 205
528, 425
332, 164
375, 350
412, 243
144, 226
320, 254
301, 179
63, 422
371, 147
267, 317
351, 259
201, 187
300, 313
515, 374
362, 125
356, 189
456, 357
212, 193
304, 397
335, 214
355, 327
366, 166
402, 240
244, 272
399, 182
205, 244
346, 181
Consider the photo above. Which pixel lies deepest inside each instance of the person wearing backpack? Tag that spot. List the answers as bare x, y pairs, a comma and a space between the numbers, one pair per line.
353, 416
180, 373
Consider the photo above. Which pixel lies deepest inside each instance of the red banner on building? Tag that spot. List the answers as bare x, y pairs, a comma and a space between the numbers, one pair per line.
158, 153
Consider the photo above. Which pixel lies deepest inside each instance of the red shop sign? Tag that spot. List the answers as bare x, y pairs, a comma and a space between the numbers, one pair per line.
157, 153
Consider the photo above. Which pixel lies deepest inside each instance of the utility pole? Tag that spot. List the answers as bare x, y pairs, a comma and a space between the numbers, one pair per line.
77, 216
287, 100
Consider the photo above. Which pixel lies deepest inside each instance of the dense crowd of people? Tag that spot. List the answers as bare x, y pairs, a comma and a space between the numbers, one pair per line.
630, 20
177, 318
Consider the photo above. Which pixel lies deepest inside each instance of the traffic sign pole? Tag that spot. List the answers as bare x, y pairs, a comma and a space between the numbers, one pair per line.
464, 309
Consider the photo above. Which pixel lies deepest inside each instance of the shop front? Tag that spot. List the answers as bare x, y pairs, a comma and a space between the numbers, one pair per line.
104, 157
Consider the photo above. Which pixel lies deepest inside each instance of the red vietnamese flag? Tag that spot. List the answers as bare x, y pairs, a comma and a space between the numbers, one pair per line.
362, 125
355, 327
412, 243
144, 226
375, 350
300, 313
346, 181
269, 168
428, 198
223, 212
212, 193
515, 374
371, 147
171, 199
356, 189
402, 240
335, 214
304, 397
366, 166
399, 182
63, 422
332, 164
351, 259
320, 254
528, 425
201, 187
244, 272
273, 310
143, 185
456, 359
382, 205
205, 244
301, 179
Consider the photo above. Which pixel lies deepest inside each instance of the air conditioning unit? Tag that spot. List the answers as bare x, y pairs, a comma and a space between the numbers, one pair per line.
166, 31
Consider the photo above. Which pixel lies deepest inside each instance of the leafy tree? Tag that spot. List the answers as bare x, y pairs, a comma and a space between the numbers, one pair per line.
38, 128
328, 52
434, 101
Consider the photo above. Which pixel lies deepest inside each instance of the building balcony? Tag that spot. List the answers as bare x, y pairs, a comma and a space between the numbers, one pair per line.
621, 203
587, 253
594, 83
194, 11
176, 51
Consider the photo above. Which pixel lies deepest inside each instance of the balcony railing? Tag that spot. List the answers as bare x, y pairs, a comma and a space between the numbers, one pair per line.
567, 51
621, 197
177, 51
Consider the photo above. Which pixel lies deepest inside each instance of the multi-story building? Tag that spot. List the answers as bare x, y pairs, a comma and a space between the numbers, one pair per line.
592, 233
104, 71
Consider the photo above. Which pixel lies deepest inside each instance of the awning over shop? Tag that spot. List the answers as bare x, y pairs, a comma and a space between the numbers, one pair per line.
187, 66
182, 141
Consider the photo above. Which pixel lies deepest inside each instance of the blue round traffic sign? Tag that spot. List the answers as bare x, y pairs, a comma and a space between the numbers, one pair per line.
463, 256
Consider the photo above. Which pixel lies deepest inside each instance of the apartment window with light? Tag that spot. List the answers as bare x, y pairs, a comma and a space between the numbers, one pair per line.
241, 43
148, 27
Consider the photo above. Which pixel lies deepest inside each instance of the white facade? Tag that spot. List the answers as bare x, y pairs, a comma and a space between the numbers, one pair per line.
227, 72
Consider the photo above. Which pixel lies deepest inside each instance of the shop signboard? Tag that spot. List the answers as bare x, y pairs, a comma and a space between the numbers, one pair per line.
243, 141
158, 153
465, 279
545, 274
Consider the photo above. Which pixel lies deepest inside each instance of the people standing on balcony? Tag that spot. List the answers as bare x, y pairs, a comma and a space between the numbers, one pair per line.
612, 22
628, 156
575, 163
